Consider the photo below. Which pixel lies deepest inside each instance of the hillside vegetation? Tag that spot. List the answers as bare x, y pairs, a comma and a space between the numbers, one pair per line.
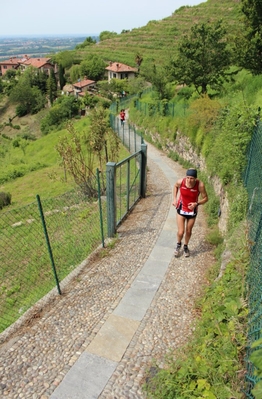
158, 40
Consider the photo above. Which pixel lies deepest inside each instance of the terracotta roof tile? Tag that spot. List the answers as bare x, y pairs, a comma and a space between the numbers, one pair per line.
37, 62
118, 67
83, 83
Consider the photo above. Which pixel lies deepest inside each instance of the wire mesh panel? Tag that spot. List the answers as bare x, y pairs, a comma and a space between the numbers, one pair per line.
26, 275
128, 185
253, 179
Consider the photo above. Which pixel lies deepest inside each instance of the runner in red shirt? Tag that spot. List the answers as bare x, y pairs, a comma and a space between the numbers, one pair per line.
122, 116
189, 189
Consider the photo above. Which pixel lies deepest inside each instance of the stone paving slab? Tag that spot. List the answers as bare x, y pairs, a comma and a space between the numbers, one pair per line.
86, 379
113, 338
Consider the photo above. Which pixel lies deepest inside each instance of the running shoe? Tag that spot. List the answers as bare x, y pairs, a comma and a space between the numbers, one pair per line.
186, 251
177, 250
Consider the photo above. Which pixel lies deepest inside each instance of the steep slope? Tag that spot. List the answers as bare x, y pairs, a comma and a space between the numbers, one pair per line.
158, 39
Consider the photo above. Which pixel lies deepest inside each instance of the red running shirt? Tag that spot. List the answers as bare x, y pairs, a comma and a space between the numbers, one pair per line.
186, 196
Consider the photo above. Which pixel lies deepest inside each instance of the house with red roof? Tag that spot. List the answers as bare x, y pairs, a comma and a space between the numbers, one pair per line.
82, 86
44, 64
117, 70
12, 63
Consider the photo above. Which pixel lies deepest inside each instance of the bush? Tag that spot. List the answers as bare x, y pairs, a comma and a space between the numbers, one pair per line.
21, 110
5, 199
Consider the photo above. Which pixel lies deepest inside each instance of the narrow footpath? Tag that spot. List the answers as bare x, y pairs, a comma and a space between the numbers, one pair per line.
121, 313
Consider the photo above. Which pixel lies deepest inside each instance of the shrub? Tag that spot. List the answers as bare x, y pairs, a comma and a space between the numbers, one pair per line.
5, 199
21, 110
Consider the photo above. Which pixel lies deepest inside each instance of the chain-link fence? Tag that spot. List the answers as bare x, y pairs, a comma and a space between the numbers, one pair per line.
41, 244
128, 134
161, 108
253, 183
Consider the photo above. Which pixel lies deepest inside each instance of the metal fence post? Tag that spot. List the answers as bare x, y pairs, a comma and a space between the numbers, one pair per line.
143, 169
100, 207
111, 198
48, 243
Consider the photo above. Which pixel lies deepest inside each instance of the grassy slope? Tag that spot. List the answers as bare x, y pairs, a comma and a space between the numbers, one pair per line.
48, 181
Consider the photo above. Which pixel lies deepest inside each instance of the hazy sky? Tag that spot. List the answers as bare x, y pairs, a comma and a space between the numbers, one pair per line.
83, 17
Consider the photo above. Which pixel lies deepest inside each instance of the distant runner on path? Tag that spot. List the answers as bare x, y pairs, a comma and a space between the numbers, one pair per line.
122, 116
189, 189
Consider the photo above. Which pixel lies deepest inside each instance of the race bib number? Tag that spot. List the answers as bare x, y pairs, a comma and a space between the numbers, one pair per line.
187, 213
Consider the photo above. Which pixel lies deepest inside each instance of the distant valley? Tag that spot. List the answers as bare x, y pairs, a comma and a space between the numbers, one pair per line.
38, 46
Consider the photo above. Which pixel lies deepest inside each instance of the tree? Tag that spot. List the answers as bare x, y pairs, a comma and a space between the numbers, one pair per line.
93, 67
65, 58
75, 73
249, 45
10, 74
51, 87
204, 58
78, 151
61, 76
87, 42
27, 95
159, 77
38, 79
71, 150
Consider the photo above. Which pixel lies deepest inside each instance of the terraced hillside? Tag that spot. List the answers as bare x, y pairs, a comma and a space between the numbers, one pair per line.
158, 39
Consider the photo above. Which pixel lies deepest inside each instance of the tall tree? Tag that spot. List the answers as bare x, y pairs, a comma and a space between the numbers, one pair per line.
249, 46
61, 75
203, 58
51, 86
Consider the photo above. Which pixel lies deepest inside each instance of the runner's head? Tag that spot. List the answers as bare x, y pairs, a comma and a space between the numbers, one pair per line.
191, 175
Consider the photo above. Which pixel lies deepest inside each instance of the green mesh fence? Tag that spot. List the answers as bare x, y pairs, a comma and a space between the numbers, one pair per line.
128, 185
253, 183
162, 108
73, 226
128, 134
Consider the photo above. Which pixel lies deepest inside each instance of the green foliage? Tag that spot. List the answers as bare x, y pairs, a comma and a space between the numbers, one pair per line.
249, 44
231, 136
75, 73
87, 42
203, 57
21, 110
105, 35
208, 365
51, 86
93, 67
26, 94
61, 76
64, 108
66, 58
